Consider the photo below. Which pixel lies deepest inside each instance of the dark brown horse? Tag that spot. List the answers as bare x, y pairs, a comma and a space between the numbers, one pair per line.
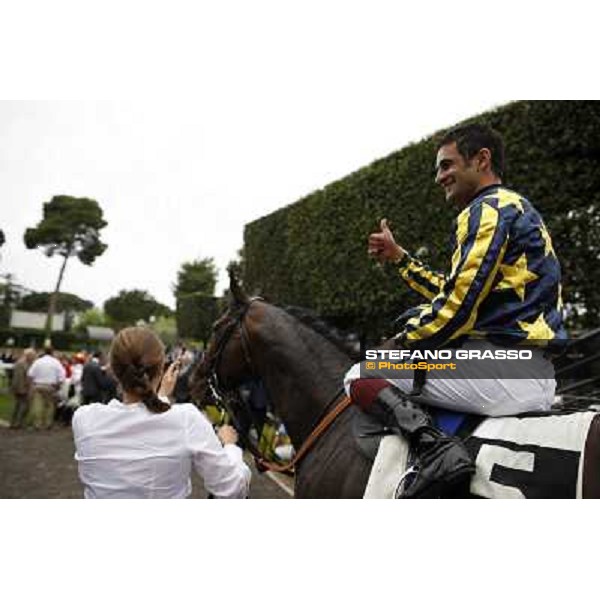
302, 372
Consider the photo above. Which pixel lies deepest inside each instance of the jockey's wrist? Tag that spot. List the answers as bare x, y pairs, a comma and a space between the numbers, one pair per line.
401, 259
396, 253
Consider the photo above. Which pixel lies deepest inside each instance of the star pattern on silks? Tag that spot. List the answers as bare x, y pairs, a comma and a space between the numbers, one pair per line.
538, 330
516, 276
548, 249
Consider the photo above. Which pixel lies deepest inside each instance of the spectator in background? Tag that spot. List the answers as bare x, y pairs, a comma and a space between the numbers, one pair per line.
76, 373
46, 375
8, 359
21, 388
66, 363
68, 400
254, 396
63, 393
112, 389
95, 383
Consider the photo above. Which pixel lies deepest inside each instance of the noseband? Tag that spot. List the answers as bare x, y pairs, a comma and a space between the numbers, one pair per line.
220, 395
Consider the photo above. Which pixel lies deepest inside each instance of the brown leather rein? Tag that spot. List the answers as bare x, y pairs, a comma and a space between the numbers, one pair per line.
315, 434
219, 397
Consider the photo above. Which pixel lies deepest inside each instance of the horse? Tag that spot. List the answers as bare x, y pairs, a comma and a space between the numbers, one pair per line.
301, 364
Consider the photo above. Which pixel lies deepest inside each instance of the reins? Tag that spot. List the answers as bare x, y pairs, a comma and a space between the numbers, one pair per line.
220, 397
315, 434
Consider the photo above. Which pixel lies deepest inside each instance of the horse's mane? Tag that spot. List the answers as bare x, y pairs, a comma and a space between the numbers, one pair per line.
310, 318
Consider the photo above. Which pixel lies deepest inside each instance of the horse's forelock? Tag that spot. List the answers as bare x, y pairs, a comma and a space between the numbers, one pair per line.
238, 296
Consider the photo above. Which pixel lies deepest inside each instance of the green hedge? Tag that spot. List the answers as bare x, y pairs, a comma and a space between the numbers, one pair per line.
313, 252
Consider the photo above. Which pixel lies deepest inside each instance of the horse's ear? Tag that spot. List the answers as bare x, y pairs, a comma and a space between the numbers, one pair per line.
238, 296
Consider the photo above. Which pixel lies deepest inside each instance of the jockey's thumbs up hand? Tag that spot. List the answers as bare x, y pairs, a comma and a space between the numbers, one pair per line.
383, 246
385, 228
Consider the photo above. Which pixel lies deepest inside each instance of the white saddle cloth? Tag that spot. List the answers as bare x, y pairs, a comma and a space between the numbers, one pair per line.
389, 466
508, 442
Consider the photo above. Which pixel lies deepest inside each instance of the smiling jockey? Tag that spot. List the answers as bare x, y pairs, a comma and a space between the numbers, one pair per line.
503, 289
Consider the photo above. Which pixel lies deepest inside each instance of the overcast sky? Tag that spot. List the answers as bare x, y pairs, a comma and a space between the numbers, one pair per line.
178, 183
277, 103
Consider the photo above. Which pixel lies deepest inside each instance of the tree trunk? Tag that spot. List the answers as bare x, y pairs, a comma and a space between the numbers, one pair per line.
53, 299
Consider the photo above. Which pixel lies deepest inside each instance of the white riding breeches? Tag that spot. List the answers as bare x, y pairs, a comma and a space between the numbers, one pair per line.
496, 397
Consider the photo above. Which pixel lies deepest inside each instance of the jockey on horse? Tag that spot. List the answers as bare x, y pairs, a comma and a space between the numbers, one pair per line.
503, 289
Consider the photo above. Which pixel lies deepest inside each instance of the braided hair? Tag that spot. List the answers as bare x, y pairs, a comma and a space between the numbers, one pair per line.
137, 357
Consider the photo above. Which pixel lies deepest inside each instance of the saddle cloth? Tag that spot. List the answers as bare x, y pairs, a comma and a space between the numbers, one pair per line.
515, 457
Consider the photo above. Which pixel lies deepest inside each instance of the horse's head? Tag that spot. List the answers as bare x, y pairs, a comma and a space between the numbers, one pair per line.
227, 360
292, 361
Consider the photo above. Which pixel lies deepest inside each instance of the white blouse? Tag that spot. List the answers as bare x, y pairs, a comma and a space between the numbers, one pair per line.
126, 451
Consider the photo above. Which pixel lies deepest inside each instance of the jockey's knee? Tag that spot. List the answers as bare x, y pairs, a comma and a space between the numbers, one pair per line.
364, 392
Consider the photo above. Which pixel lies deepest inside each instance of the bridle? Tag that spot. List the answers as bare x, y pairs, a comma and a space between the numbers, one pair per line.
219, 395
215, 360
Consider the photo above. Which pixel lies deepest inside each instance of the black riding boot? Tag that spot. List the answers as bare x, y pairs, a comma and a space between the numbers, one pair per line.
441, 461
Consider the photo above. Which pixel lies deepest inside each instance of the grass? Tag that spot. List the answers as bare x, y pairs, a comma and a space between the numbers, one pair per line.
6, 406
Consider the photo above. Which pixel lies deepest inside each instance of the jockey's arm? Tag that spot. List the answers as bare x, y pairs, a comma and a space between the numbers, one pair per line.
480, 242
420, 277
